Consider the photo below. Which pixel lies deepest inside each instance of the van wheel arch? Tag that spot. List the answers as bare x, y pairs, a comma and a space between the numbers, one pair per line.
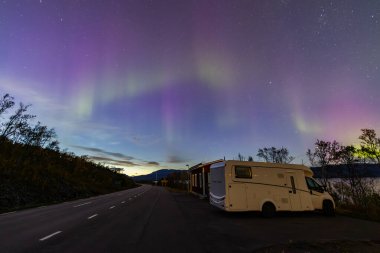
328, 208
268, 210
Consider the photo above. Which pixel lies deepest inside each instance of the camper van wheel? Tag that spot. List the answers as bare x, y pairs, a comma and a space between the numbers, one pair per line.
268, 210
328, 208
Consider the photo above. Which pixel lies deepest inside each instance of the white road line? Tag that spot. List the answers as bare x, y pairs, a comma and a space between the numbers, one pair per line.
92, 216
112, 207
83, 204
130, 198
51, 235
122, 202
1, 214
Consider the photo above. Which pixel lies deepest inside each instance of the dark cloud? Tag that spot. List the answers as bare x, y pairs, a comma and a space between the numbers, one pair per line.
175, 159
112, 158
101, 159
126, 163
153, 163
114, 162
104, 152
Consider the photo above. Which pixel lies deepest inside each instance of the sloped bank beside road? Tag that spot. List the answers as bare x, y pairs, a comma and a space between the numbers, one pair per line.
32, 176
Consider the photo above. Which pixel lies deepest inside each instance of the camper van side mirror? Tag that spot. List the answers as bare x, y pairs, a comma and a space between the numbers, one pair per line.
321, 189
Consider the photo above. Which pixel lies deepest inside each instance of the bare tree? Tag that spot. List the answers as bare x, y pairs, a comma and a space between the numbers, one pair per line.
17, 127
241, 157
325, 153
275, 155
16, 123
268, 154
360, 186
39, 136
6, 102
116, 170
53, 145
370, 145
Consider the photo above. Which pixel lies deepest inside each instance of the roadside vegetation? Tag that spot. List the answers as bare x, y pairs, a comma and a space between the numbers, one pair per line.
35, 171
353, 188
178, 180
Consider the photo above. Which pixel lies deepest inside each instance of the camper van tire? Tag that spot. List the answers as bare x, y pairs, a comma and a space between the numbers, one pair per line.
328, 208
268, 210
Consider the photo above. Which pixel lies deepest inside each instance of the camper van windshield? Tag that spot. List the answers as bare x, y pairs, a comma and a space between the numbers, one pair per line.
313, 185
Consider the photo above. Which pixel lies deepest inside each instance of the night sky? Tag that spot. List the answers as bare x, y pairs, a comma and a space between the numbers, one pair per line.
146, 85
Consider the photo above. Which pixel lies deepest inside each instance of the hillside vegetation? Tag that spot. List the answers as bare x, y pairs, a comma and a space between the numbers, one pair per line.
34, 171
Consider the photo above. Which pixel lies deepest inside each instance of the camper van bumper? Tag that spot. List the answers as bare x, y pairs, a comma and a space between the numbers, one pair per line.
217, 201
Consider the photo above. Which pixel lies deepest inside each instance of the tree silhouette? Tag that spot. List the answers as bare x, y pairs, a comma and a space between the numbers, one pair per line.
370, 145
38, 135
241, 157
6, 102
16, 123
325, 153
359, 184
274, 155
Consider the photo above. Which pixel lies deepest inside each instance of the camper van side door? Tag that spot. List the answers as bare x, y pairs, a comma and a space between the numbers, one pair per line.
294, 195
238, 189
316, 192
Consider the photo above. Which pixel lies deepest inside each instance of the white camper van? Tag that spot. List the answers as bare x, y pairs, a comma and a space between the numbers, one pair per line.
266, 187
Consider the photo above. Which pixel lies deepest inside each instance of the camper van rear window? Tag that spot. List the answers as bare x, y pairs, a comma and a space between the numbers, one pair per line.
243, 172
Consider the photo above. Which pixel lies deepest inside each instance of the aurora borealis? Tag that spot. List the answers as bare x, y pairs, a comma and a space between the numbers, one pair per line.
161, 84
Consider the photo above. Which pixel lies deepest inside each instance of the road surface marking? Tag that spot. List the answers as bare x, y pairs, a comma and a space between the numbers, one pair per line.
83, 204
92, 216
41, 206
122, 202
51, 235
112, 207
130, 198
7, 213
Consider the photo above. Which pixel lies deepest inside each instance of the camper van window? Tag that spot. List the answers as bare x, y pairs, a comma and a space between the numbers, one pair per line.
243, 172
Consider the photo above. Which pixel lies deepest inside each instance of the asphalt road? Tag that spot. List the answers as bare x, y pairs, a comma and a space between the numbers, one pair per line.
152, 219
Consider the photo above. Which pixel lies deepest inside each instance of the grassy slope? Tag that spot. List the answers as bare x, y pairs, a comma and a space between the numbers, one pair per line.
31, 176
